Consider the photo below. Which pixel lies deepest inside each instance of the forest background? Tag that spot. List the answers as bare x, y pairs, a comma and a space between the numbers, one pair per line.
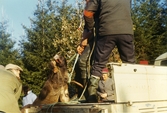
56, 27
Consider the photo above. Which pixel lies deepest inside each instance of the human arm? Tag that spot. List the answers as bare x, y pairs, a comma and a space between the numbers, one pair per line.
102, 95
84, 41
89, 12
18, 90
101, 90
110, 90
87, 33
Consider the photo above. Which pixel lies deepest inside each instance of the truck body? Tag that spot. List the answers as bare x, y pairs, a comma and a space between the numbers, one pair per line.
138, 89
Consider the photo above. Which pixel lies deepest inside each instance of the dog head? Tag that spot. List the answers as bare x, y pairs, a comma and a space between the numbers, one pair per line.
58, 69
60, 60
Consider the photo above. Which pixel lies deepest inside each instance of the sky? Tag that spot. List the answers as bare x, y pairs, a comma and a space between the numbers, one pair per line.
16, 13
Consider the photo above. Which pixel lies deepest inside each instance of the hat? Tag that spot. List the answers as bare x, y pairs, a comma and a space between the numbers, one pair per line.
13, 66
105, 70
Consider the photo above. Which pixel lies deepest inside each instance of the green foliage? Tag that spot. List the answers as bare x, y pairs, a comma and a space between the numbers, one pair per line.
148, 17
7, 52
53, 30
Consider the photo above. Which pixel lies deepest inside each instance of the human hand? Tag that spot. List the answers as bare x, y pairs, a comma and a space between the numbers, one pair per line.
104, 95
82, 46
80, 49
84, 41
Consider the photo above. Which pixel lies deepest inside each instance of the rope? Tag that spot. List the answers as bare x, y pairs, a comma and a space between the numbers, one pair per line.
88, 68
70, 75
74, 65
72, 58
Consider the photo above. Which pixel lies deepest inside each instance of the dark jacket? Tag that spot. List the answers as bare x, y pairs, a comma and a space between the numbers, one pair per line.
114, 16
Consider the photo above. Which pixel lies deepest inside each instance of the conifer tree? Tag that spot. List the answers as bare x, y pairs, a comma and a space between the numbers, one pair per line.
8, 54
53, 30
149, 29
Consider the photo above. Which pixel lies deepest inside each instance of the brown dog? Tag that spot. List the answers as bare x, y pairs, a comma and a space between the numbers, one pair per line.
55, 89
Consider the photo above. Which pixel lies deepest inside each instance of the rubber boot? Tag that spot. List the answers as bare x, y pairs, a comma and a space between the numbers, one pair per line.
92, 89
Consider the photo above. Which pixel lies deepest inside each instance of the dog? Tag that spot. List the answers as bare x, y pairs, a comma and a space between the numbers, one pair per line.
55, 89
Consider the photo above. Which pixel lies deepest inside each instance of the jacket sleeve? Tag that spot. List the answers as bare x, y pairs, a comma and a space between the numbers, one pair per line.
89, 11
99, 93
99, 90
18, 93
111, 87
89, 20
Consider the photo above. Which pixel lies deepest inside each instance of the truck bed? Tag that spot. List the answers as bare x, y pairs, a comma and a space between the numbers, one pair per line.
138, 89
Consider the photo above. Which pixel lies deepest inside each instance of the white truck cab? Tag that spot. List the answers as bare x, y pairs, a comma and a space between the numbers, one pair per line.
161, 60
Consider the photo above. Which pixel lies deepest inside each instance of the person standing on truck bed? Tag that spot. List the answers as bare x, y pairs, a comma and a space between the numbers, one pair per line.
84, 62
115, 28
10, 88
